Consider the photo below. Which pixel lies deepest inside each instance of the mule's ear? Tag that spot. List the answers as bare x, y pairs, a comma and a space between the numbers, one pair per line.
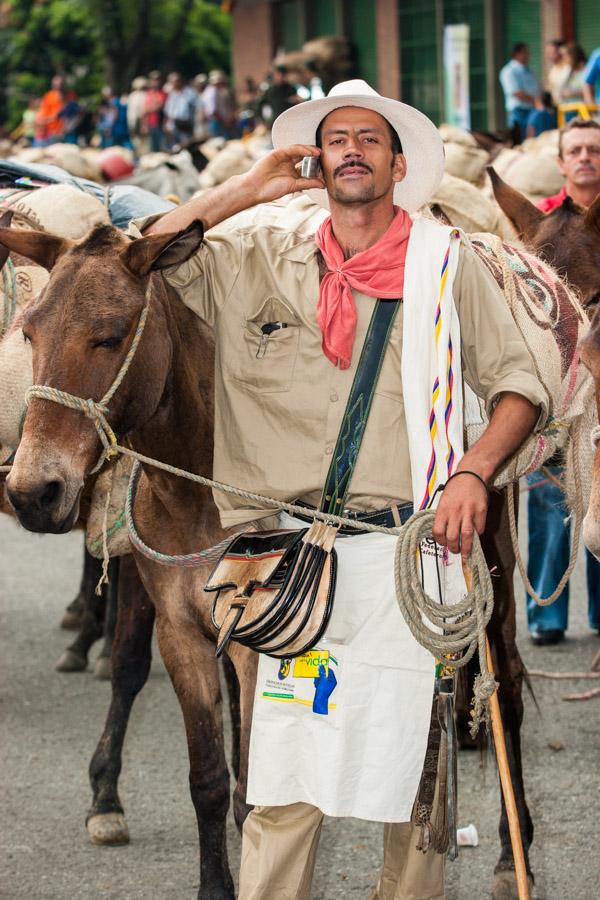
592, 216
157, 251
439, 214
5, 220
37, 246
522, 213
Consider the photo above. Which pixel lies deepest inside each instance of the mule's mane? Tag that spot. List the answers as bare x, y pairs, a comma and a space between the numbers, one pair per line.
100, 239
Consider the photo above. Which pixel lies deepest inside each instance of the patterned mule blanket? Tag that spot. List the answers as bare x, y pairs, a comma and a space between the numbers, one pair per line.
552, 322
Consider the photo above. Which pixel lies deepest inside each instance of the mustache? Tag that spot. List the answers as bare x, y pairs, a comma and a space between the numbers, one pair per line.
353, 164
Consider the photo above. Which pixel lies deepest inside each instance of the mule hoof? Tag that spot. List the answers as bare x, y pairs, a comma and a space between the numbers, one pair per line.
505, 886
103, 668
71, 620
108, 828
71, 662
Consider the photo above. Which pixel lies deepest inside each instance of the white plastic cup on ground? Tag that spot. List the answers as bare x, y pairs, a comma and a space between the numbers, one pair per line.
467, 837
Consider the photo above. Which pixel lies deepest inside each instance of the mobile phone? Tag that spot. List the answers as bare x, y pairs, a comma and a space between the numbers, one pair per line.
310, 167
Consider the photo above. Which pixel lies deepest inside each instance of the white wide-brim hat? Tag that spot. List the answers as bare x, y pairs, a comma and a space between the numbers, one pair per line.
422, 144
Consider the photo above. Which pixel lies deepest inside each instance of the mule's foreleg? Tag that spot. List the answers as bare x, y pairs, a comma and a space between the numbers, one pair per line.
190, 660
245, 663
131, 657
71, 620
233, 694
75, 657
508, 667
103, 666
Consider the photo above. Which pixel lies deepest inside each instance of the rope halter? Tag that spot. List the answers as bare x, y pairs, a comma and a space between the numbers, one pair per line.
96, 410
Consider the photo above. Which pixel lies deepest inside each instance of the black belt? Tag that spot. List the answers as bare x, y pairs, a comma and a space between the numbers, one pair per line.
387, 517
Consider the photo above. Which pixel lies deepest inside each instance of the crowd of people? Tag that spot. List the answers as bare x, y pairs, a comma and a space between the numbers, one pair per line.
165, 113
531, 105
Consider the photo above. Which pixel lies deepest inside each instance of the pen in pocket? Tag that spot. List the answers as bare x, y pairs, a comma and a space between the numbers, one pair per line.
266, 331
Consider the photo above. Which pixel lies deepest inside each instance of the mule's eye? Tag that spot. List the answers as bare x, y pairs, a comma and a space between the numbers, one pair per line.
593, 301
108, 343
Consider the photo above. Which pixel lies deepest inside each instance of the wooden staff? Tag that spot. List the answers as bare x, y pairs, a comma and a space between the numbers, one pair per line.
508, 792
507, 788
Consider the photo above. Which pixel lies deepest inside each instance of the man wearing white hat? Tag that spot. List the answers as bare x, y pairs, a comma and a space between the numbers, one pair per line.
291, 311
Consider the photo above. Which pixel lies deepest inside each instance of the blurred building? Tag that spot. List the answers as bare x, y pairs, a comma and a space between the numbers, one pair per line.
398, 45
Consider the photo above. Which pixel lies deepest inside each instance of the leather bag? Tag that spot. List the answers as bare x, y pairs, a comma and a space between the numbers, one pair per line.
275, 589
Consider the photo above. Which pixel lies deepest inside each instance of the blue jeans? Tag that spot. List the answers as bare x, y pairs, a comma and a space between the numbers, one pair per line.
549, 542
519, 116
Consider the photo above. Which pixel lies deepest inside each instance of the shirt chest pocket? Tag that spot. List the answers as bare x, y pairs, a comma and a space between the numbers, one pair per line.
267, 348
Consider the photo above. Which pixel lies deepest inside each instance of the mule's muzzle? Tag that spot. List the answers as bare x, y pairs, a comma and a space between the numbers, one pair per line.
37, 506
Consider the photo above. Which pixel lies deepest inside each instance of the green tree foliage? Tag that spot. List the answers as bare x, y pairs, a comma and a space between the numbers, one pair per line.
96, 42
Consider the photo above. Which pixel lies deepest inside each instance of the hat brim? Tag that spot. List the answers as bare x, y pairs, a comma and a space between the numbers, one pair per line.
422, 144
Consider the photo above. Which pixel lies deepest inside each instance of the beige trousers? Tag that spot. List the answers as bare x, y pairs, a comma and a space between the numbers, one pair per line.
279, 848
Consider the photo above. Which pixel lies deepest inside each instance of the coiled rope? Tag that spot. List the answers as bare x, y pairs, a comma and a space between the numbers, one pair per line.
578, 515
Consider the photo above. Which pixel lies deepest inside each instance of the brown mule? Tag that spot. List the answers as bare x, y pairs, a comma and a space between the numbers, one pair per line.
94, 298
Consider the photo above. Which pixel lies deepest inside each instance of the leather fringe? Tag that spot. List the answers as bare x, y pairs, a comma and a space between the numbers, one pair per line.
438, 831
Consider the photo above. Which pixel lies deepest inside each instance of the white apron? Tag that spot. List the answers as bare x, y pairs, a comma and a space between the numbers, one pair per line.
362, 754
345, 727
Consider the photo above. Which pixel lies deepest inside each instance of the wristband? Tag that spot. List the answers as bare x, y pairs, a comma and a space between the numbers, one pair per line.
468, 472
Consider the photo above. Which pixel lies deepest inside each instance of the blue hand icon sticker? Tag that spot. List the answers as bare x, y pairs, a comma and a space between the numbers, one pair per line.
325, 685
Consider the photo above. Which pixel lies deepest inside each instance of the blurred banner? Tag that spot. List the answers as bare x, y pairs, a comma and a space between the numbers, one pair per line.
456, 76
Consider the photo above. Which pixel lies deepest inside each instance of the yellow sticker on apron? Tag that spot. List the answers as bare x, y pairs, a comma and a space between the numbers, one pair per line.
307, 665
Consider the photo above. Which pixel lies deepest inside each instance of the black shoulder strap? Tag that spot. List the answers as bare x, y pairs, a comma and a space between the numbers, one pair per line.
358, 407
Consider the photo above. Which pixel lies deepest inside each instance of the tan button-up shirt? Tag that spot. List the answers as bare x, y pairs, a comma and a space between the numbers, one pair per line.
279, 401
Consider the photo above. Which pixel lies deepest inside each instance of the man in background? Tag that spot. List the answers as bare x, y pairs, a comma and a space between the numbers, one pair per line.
219, 106
520, 88
153, 112
279, 96
49, 123
579, 161
180, 111
135, 113
591, 79
559, 68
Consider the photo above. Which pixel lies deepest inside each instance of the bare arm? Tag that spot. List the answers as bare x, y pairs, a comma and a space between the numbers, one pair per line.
463, 507
525, 98
269, 179
588, 94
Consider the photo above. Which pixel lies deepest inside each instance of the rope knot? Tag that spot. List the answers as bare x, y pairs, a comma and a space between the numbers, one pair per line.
484, 687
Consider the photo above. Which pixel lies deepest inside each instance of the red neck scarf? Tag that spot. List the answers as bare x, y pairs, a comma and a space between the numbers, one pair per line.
376, 272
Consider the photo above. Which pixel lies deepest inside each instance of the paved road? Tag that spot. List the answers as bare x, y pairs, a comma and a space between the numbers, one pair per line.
50, 724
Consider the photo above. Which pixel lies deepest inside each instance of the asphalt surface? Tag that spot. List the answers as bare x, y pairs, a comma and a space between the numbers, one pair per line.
50, 723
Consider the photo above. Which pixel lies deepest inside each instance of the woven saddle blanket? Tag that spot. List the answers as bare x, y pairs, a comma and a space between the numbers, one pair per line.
552, 323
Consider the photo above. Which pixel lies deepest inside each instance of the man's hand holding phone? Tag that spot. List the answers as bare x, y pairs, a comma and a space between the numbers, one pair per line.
281, 172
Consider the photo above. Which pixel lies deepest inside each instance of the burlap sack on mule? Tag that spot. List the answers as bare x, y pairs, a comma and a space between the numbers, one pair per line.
15, 378
552, 322
533, 173
59, 208
113, 479
465, 206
